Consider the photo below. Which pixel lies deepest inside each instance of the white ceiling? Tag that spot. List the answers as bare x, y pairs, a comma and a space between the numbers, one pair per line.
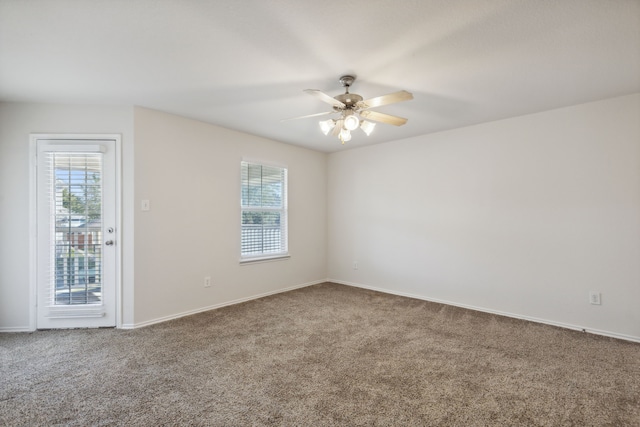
243, 64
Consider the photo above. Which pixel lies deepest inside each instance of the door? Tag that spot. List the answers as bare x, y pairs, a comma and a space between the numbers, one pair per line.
76, 233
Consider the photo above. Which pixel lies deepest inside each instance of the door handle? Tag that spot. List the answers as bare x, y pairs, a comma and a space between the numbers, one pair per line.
109, 243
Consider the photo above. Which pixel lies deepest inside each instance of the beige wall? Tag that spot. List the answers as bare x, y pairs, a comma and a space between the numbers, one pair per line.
522, 216
190, 171
17, 121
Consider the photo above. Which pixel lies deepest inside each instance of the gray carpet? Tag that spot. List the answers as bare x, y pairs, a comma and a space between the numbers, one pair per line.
321, 356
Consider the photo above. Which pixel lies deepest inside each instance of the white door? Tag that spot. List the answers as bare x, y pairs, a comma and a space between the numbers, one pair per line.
76, 233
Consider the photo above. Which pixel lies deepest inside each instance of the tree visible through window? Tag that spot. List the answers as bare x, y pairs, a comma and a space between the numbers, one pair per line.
264, 210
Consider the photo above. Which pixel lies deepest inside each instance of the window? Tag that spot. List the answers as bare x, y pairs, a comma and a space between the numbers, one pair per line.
264, 211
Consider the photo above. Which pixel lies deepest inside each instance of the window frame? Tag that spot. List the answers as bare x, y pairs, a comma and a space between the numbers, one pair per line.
283, 254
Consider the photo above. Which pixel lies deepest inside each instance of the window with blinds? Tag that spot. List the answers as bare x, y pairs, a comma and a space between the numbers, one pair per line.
264, 211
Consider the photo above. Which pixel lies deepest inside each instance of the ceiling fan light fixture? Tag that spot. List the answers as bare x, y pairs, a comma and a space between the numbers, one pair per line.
351, 122
345, 135
367, 127
353, 109
327, 125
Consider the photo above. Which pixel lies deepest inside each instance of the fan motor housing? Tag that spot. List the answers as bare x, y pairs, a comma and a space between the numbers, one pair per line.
349, 99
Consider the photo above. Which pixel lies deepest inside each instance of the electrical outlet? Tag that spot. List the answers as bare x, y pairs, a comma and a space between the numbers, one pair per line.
594, 298
207, 282
355, 265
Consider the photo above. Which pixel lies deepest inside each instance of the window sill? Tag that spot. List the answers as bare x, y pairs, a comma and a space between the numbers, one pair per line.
260, 260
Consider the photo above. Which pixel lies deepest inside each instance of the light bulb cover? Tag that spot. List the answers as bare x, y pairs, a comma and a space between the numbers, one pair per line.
367, 127
351, 122
327, 125
345, 135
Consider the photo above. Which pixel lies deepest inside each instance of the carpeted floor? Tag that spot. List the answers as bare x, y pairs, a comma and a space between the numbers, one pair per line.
321, 356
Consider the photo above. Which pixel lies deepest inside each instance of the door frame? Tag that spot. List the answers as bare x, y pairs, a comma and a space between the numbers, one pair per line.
33, 217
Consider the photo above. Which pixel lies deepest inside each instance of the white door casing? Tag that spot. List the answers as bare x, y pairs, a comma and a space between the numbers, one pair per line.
77, 231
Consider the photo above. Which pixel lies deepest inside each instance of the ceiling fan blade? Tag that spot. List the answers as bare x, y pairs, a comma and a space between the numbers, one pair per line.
391, 98
309, 115
325, 98
337, 128
383, 118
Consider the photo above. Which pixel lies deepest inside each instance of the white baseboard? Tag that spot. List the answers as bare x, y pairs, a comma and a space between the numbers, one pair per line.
15, 329
372, 288
498, 312
215, 306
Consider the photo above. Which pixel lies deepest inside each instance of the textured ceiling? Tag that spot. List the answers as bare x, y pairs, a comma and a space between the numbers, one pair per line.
243, 64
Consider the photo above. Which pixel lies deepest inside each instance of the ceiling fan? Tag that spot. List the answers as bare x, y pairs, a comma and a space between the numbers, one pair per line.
353, 110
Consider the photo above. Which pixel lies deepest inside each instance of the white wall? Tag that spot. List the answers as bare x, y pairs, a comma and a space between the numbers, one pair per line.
17, 121
190, 172
522, 216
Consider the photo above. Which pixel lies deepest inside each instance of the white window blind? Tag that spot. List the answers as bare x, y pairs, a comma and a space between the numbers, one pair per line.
75, 243
264, 211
